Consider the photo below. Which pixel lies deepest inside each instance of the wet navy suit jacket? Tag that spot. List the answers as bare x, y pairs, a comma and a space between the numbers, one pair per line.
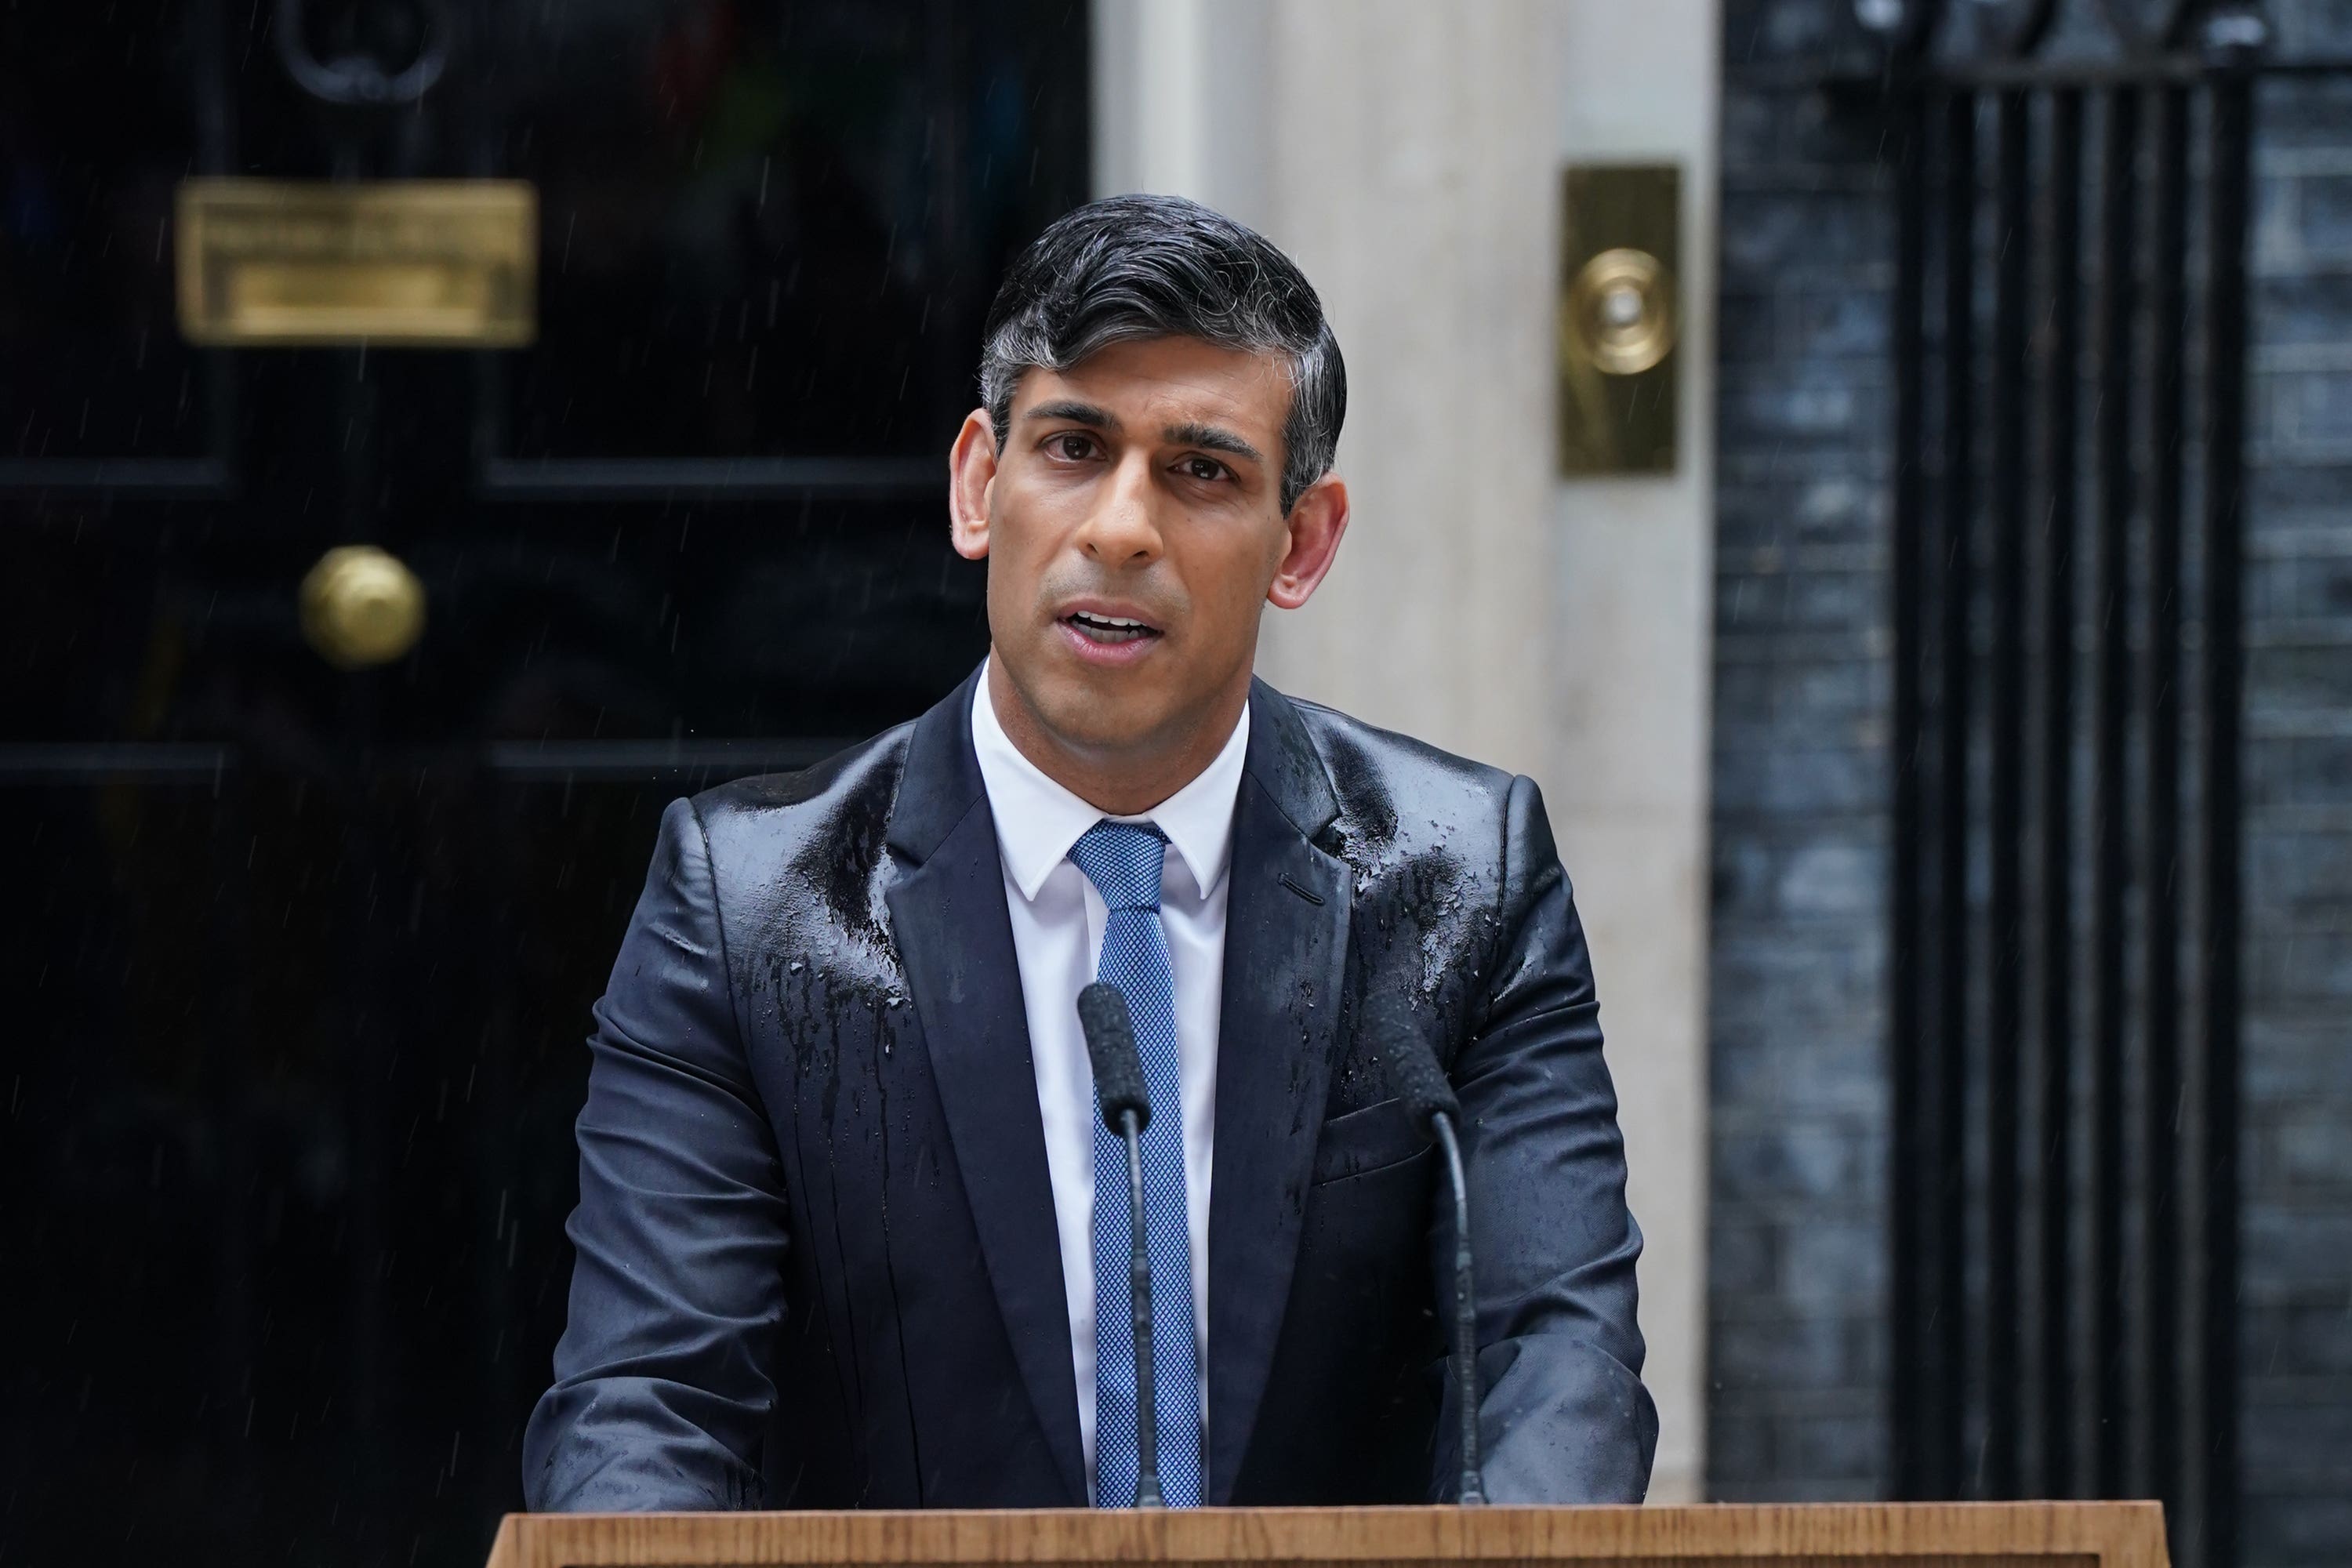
817, 1259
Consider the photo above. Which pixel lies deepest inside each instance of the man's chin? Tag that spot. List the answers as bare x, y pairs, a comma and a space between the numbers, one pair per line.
1082, 726
1095, 711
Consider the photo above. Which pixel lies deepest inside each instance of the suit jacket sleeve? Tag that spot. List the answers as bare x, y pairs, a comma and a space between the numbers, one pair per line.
663, 1386
1564, 1417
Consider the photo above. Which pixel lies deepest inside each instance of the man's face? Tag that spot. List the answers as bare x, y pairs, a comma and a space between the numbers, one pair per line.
1133, 528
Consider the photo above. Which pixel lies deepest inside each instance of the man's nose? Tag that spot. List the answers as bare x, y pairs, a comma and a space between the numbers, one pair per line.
1124, 531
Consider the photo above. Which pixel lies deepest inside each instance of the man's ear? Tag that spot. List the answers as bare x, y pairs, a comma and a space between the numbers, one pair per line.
972, 469
1316, 521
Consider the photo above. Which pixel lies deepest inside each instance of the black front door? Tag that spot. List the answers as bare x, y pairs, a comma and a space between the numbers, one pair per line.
299, 957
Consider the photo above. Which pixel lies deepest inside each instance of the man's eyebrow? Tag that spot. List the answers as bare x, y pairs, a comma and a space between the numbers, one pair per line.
1073, 412
1210, 438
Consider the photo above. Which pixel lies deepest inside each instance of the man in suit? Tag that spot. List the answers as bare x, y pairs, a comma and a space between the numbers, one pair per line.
850, 1233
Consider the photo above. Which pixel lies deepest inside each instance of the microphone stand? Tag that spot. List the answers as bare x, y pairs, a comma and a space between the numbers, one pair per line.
1466, 1314
1138, 1293
1429, 1099
1125, 1104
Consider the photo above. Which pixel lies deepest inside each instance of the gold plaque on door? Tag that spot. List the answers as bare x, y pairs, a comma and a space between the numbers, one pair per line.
421, 263
1620, 317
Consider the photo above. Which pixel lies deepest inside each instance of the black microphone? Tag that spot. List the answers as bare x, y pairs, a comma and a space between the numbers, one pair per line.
1127, 1111
1421, 1083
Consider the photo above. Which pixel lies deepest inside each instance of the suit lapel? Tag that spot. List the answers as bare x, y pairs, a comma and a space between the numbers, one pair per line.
955, 939
1286, 957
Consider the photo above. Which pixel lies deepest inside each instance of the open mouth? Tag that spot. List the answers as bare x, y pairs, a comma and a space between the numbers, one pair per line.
1109, 630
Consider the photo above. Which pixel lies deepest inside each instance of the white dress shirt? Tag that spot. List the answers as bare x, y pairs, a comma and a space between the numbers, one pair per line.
1058, 917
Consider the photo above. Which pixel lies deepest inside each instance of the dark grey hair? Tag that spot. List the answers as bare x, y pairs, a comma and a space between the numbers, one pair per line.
1160, 267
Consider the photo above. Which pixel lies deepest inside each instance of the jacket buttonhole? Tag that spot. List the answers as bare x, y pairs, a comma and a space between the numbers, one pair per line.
1313, 898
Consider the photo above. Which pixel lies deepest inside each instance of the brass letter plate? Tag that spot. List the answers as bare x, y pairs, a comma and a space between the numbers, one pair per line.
1620, 315
425, 264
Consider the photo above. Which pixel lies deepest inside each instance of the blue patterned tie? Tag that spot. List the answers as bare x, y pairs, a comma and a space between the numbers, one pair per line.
1123, 860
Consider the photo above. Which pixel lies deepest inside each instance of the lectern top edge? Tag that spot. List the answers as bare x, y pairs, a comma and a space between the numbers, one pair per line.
1999, 1535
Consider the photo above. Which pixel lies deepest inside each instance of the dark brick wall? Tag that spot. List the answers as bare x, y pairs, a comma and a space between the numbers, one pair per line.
1797, 1263
2297, 1297
1798, 1303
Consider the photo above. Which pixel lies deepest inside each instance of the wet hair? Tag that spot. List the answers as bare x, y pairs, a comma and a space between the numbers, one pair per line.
1129, 268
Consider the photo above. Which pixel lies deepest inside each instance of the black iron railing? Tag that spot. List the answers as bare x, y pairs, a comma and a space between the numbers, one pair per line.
2065, 1008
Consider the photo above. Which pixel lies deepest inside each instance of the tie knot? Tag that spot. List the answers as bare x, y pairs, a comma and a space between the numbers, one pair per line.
1123, 860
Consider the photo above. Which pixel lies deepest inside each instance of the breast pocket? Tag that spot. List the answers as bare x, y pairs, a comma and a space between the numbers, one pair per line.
1366, 1140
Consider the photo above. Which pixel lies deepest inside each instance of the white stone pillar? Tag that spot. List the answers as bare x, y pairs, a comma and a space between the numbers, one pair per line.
1633, 578
1408, 155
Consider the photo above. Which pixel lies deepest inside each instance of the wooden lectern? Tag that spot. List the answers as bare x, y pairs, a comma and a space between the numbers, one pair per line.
1858, 1535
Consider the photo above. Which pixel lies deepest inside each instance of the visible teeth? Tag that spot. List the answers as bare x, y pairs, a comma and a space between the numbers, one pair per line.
1108, 628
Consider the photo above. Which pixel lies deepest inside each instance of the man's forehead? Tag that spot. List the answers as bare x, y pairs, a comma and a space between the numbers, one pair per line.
1167, 380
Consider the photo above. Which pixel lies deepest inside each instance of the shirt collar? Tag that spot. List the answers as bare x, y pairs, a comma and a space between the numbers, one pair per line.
1037, 819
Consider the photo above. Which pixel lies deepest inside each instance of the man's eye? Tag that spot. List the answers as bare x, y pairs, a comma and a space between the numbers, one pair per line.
1206, 469
1074, 447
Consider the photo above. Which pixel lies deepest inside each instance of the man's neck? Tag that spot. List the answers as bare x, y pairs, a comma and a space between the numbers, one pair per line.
1127, 785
